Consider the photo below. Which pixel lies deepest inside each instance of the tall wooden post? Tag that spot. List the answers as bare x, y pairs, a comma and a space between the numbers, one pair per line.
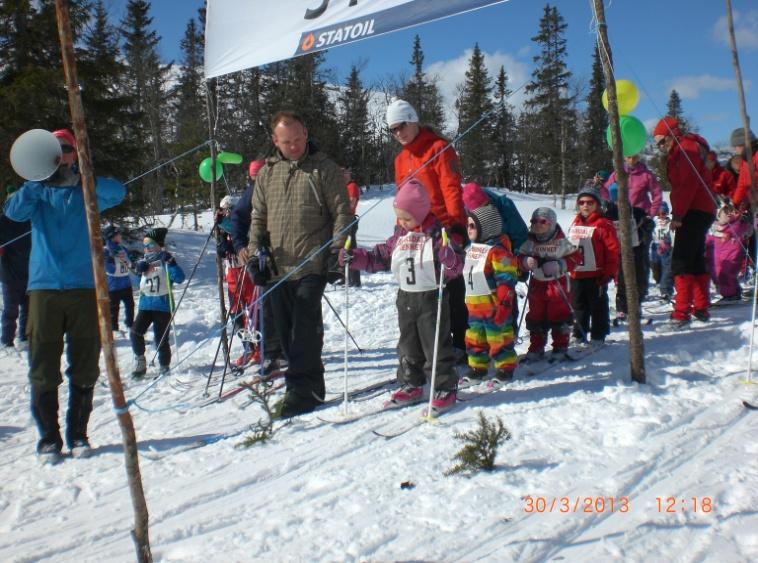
636, 343
140, 532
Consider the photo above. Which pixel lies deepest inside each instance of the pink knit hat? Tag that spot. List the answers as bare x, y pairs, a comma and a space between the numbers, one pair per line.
413, 199
255, 167
474, 196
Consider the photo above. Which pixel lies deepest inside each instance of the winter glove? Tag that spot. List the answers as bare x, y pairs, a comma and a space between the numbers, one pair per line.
359, 259
552, 268
662, 248
447, 257
504, 304
345, 257
458, 234
141, 266
531, 263
260, 276
166, 258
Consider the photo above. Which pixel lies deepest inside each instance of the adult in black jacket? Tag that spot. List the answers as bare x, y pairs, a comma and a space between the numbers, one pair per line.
14, 274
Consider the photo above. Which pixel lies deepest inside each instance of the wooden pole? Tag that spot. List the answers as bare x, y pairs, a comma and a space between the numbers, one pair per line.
219, 259
140, 533
743, 110
636, 343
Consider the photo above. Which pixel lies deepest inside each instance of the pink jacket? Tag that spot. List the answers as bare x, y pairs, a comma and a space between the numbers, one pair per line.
644, 190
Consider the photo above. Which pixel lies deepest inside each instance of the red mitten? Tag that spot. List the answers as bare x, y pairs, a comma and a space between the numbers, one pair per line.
504, 304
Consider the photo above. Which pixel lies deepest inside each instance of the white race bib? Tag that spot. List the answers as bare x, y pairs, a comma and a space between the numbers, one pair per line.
473, 270
413, 263
121, 268
581, 236
154, 283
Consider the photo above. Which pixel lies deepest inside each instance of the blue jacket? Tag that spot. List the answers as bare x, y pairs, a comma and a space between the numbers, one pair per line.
14, 261
513, 224
153, 291
241, 218
61, 257
113, 263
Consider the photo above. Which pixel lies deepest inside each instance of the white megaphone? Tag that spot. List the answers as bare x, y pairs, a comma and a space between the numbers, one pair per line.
36, 154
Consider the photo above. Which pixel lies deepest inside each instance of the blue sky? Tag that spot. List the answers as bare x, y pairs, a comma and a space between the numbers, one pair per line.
657, 44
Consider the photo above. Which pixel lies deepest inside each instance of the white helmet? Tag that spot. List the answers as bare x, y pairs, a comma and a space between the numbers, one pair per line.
229, 201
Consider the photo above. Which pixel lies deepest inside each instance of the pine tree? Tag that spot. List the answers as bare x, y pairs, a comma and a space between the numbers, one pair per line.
549, 99
353, 122
145, 84
422, 92
596, 154
475, 101
674, 109
503, 134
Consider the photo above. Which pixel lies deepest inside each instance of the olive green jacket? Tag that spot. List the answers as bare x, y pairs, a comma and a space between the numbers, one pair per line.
301, 205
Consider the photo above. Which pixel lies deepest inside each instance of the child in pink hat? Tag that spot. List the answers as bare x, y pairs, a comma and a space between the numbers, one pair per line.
414, 253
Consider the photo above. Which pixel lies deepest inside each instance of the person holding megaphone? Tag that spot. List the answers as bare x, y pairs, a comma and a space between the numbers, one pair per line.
62, 302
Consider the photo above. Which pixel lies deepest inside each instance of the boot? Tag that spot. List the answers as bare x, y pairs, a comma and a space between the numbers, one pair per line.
140, 367
701, 296
682, 304
77, 418
45, 413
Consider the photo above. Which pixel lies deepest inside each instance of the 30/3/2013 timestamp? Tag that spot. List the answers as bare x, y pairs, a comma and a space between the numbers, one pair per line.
671, 505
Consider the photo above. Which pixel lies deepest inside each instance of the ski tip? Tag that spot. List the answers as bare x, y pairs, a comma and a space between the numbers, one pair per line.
750, 406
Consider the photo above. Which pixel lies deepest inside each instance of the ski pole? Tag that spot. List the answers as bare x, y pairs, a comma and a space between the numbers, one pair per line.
429, 413
346, 404
240, 292
336, 314
516, 337
565, 298
749, 379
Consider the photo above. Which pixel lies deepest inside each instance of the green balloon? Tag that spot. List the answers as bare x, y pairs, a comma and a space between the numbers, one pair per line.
633, 135
229, 157
205, 169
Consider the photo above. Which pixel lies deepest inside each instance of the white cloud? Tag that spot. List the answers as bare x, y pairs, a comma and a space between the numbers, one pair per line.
745, 30
690, 87
451, 74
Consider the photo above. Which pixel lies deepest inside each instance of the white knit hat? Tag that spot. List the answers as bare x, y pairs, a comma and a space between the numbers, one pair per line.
399, 111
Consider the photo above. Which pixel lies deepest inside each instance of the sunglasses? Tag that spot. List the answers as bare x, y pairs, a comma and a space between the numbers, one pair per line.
539, 221
67, 149
472, 225
150, 245
661, 142
397, 128
586, 202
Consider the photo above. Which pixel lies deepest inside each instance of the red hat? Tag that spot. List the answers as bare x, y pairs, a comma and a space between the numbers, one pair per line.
255, 167
66, 135
668, 126
413, 199
474, 196
712, 156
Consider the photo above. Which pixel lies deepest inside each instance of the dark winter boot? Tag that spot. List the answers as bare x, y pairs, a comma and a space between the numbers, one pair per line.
45, 414
700, 296
682, 304
77, 418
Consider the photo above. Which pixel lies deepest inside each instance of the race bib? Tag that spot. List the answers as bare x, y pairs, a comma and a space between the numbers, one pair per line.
581, 236
154, 282
413, 263
473, 270
121, 268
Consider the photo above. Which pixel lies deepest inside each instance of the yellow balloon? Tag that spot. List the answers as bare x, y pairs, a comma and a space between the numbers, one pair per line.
627, 97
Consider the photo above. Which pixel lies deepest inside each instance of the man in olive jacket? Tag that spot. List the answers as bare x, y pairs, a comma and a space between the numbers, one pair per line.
299, 203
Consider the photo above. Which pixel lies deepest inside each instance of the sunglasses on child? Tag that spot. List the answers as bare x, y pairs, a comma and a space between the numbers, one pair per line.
586, 202
661, 142
150, 245
397, 128
539, 221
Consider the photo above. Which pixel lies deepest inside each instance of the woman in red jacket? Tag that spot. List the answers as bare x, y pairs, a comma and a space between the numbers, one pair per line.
693, 210
432, 161
596, 238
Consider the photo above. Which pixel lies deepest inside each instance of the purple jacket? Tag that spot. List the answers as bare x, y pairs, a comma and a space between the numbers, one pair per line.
644, 190
726, 240
379, 259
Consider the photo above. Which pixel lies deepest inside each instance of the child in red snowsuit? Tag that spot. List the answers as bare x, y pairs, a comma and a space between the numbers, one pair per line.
490, 274
549, 256
601, 254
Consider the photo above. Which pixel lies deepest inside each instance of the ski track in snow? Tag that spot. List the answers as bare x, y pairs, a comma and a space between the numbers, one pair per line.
319, 491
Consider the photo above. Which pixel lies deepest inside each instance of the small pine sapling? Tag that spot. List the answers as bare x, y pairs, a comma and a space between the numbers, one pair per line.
261, 393
480, 449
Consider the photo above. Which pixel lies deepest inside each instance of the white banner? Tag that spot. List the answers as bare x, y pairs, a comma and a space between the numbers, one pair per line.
241, 34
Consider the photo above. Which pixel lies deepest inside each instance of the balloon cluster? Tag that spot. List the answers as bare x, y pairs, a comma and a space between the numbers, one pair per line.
633, 132
205, 168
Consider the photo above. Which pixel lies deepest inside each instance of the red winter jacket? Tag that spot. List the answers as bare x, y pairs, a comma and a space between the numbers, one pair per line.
690, 187
723, 181
441, 177
605, 246
742, 193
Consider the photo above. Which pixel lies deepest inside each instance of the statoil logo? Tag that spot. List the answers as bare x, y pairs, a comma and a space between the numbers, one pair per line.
341, 34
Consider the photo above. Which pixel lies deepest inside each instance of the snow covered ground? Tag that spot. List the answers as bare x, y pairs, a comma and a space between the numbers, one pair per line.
598, 468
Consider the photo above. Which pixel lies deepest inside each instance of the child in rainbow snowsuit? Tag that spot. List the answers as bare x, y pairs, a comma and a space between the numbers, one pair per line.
490, 274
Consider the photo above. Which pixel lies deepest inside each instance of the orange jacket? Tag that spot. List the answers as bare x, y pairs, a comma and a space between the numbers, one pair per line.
441, 177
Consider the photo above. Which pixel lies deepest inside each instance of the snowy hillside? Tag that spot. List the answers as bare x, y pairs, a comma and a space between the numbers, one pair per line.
597, 468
